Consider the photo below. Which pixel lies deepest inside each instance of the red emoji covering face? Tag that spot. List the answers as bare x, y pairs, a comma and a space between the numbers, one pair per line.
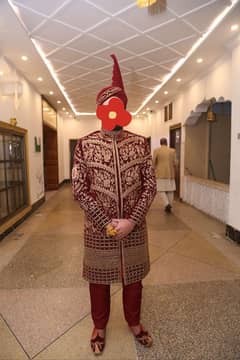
112, 114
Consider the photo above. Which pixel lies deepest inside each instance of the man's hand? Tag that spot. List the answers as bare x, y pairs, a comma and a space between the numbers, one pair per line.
123, 227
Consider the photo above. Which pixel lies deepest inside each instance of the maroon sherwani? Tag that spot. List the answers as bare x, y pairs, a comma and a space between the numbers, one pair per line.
113, 177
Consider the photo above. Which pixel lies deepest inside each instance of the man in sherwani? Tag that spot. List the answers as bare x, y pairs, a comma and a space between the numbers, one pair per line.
165, 163
113, 180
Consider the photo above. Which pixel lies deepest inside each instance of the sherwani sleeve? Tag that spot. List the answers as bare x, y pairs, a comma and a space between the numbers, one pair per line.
149, 188
81, 190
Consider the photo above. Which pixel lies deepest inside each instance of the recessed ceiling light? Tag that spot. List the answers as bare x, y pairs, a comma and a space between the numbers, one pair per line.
234, 27
148, 109
165, 92
199, 60
63, 109
1, 73
144, 112
178, 79
156, 101
24, 58
51, 92
40, 78
67, 112
59, 102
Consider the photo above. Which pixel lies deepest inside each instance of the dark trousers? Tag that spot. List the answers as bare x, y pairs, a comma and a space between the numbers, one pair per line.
100, 303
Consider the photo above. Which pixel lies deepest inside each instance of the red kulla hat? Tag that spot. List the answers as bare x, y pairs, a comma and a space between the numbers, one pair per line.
116, 89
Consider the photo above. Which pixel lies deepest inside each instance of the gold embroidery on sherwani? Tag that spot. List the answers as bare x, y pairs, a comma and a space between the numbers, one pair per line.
113, 181
131, 189
105, 191
100, 166
98, 142
116, 179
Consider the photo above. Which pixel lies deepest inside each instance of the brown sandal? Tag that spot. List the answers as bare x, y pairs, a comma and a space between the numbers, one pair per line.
143, 337
97, 343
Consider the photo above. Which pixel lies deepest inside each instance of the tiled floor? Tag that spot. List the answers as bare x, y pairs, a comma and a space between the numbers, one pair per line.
191, 296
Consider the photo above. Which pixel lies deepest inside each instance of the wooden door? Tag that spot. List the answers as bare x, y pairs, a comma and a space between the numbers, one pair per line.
50, 158
175, 142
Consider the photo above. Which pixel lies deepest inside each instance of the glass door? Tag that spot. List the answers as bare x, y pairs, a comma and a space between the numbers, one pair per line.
13, 175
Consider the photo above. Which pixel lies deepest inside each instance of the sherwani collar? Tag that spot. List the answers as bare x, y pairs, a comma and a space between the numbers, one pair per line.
112, 134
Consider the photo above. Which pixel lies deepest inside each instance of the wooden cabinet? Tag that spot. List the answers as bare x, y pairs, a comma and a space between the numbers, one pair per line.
13, 171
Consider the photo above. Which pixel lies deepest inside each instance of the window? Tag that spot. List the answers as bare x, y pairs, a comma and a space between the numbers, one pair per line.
208, 143
13, 175
168, 112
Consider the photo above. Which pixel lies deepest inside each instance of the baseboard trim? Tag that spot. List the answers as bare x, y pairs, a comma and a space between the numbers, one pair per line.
13, 226
65, 181
233, 234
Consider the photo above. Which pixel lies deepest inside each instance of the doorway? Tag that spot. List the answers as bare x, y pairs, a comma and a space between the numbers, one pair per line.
175, 142
50, 158
72, 145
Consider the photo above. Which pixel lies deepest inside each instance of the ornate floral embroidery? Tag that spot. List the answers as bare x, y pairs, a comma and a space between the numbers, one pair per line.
108, 93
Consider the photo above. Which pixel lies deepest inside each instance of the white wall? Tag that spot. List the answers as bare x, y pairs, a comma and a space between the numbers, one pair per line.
234, 217
29, 116
75, 129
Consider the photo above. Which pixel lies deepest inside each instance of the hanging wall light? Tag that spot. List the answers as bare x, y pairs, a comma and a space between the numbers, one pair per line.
145, 3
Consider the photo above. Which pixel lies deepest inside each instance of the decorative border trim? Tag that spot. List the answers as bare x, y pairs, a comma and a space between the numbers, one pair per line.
34, 207
233, 234
108, 93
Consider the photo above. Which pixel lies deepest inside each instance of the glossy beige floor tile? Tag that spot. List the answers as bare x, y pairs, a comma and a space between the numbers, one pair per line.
39, 316
9, 247
175, 268
200, 249
165, 239
158, 220
162, 241
155, 252
10, 349
197, 220
74, 344
62, 223
46, 260
193, 321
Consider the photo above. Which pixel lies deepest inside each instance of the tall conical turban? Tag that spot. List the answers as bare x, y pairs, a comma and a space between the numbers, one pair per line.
116, 89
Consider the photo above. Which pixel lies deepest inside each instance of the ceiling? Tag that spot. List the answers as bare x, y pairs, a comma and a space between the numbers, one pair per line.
76, 37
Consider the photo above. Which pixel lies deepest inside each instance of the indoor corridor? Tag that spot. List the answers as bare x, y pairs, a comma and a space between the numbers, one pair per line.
190, 299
